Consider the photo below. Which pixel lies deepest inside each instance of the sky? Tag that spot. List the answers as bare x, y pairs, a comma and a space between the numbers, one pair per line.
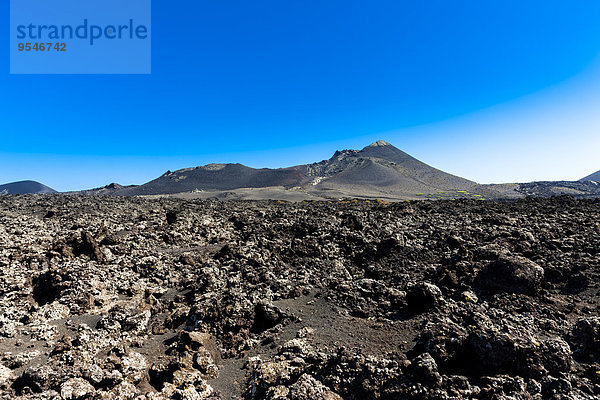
494, 91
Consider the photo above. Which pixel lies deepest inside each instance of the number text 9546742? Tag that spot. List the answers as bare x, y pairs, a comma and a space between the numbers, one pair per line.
39, 47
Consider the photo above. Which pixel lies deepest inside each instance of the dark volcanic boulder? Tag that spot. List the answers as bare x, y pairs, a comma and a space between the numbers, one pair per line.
554, 355
266, 316
39, 378
499, 352
84, 244
49, 286
444, 340
512, 274
586, 337
424, 369
490, 349
423, 296
89, 247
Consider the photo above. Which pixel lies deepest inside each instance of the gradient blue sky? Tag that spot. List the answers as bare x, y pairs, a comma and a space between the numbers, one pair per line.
495, 91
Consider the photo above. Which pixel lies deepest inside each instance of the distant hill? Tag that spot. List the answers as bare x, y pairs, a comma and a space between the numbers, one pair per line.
595, 177
218, 177
25, 187
378, 170
579, 189
382, 170
104, 190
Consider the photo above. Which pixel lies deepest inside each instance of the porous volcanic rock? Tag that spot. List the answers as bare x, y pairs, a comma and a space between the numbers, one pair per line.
513, 274
158, 298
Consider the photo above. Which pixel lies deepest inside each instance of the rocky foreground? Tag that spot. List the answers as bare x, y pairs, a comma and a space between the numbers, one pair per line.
129, 298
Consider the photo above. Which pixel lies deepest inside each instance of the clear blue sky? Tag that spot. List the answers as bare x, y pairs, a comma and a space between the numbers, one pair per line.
494, 90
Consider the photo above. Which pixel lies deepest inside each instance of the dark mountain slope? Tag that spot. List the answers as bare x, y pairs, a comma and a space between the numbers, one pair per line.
379, 169
593, 177
25, 187
383, 165
218, 177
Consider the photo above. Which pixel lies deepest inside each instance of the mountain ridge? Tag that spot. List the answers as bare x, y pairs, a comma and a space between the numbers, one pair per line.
378, 170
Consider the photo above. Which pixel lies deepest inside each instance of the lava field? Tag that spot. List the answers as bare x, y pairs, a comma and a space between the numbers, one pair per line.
138, 298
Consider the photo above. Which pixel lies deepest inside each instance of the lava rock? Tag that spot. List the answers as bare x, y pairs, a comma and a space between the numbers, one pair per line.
266, 316
308, 388
38, 379
512, 274
173, 306
586, 337
6, 376
424, 369
171, 217
76, 389
423, 296
88, 246
444, 340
